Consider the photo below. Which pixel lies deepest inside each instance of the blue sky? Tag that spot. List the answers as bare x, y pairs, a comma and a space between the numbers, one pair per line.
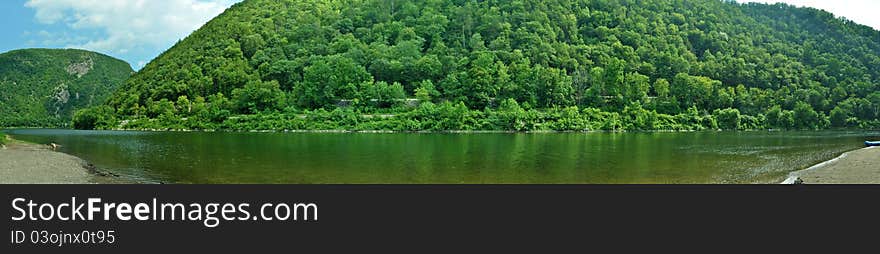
133, 30
139, 30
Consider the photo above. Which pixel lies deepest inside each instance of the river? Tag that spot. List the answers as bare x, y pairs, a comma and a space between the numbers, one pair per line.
318, 158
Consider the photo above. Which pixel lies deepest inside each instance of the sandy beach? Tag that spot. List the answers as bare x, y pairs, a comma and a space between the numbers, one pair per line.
26, 163
856, 167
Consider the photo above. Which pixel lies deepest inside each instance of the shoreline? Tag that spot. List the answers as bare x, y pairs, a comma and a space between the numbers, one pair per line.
484, 131
860, 166
28, 163
439, 131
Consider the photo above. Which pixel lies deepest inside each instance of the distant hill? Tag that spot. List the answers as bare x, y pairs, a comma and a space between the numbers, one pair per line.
770, 66
42, 87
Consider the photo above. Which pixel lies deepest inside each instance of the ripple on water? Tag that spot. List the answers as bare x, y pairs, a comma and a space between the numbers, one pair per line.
697, 157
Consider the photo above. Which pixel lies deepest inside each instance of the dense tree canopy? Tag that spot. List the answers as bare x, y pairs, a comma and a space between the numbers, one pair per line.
42, 87
515, 65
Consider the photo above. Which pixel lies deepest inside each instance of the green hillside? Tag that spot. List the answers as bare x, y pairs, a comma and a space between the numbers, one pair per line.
508, 65
42, 87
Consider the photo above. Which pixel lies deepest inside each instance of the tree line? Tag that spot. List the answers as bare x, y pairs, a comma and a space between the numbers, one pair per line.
508, 65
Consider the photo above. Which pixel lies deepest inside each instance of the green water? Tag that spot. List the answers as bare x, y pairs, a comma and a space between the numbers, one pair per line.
694, 157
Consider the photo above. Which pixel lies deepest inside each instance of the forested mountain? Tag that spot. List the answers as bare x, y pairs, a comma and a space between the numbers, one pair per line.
42, 87
508, 65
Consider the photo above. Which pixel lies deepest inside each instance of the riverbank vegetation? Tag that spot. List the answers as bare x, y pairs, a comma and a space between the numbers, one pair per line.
446, 116
522, 65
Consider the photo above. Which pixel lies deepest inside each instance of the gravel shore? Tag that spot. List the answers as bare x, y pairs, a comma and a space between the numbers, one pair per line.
25, 163
857, 167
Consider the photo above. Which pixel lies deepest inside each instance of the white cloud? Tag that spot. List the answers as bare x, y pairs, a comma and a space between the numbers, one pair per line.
128, 25
861, 11
43, 38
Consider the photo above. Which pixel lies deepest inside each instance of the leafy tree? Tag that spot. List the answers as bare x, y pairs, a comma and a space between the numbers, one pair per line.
258, 96
637, 87
553, 87
384, 95
692, 90
329, 79
218, 106
728, 119
839, 117
778, 118
481, 84
661, 88
805, 117
426, 91
101, 117
511, 116
639, 118
161, 107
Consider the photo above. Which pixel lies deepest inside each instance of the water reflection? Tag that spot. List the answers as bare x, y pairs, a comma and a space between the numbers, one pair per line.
695, 157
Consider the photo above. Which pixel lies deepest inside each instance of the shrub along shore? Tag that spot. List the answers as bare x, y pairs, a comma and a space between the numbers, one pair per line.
508, 116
